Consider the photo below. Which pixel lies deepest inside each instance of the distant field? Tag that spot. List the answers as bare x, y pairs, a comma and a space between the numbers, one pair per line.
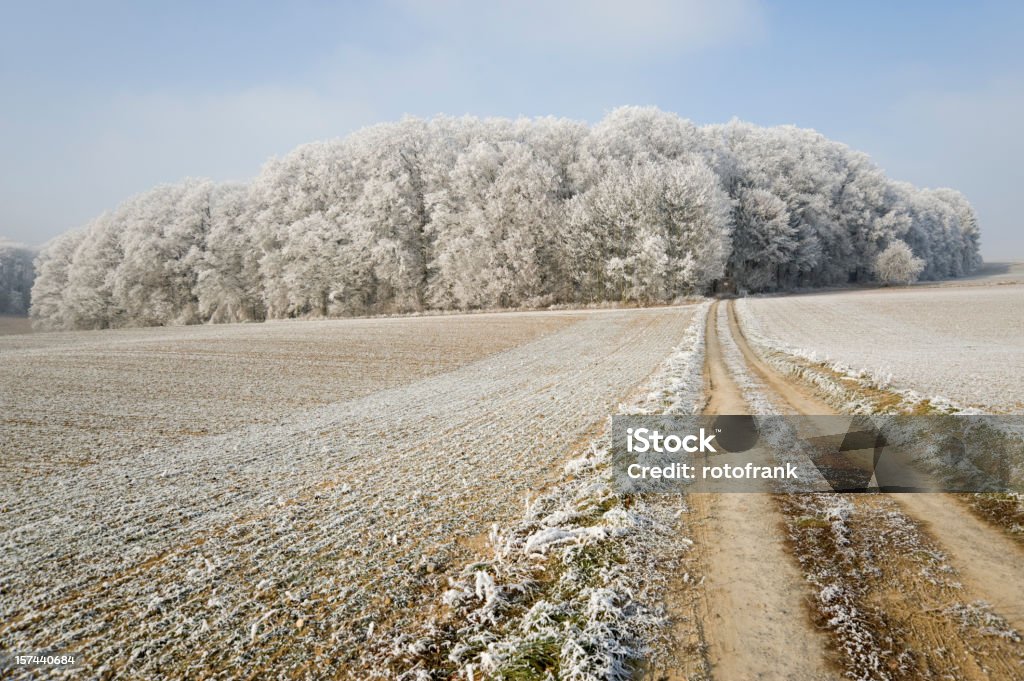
965, 343
14, 325
87, 397
194, 500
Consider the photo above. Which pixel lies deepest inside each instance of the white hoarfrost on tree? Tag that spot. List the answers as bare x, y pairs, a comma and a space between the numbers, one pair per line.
897, 264
156, 279
228, 286
49, 292
655, 231
469, 213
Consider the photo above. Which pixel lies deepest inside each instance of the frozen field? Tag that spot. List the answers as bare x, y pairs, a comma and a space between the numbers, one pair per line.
14, 325
193, 500
962, 343
87, 397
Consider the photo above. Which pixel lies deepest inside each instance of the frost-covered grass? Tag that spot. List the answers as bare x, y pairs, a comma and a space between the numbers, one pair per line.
574, 589
750, 386
948, 347
888, 596
868, 641
308, 545
1005, 509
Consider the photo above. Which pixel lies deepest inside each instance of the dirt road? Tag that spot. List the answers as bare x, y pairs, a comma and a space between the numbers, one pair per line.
919, 568
753, 605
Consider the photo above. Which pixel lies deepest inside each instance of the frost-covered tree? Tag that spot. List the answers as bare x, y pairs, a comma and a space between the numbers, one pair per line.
50, 290
763, 239
162, 236
492, 227
228, 285
392, 207
88, 300
321, 177
898, 265
654, 231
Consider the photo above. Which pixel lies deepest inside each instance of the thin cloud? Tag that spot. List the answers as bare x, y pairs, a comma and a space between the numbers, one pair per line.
619, 30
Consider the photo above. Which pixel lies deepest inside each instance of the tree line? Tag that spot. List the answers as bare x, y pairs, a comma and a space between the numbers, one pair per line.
17, 273
469, 213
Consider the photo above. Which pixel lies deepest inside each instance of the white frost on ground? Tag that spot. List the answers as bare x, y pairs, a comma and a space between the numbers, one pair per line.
955, 346
309, 543
575, 585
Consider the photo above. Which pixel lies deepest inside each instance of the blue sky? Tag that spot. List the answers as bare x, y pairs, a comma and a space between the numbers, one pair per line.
102, 100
